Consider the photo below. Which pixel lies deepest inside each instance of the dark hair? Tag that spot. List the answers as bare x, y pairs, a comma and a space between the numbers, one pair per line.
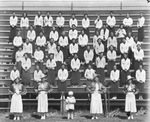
112, 12
24, 13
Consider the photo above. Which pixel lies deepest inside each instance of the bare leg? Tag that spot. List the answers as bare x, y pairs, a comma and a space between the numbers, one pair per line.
68, 115
71, 115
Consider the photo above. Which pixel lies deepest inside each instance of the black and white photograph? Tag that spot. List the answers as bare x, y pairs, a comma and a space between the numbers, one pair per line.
74, 60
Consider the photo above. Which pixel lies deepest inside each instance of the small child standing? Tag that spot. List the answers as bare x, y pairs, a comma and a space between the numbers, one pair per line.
70, 101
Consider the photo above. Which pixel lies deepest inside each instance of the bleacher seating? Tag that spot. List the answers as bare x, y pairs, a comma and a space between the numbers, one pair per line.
6, 49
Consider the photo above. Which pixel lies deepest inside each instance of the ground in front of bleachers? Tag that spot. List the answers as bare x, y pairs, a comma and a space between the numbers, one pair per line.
80, 116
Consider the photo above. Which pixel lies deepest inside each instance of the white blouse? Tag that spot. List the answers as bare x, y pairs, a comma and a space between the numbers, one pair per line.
24, 22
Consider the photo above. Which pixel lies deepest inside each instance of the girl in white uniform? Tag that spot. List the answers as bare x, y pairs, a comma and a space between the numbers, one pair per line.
16, 107
130, 100
96, 89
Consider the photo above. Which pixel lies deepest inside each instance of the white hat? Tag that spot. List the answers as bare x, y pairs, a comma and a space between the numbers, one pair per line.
129, 77
70, 93
139, 43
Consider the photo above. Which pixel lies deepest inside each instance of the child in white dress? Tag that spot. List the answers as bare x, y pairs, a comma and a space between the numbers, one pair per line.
70, 101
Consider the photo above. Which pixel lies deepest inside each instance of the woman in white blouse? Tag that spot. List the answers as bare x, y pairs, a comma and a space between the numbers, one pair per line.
38, 23
83, 41
48, 23
19, 57
140, 24
31, 36
51, 65
24, 24
60, 21
39, 56
86, 24
17, 42
98, 23
111, 56
26, 74
13, 26
127, 22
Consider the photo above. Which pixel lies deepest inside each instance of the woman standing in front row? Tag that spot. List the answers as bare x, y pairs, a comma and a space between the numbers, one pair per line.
130, 100
43, 88
16, 107
96, 89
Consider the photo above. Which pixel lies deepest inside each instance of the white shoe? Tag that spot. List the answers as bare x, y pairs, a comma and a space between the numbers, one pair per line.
18, 118
132, 117
43, 117
129, 117
15, 118
96, 117
92, 118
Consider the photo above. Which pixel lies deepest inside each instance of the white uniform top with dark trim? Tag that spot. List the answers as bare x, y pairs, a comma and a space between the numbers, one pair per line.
27, 48
24, 22
111, 21
60, 21
73, 34
114, 75
88, 56
54, 35
141, 75
89, 74
63, 41
140, 22
73, 22
14, 74
125, 64
13, 21
85, 23
31, 35
38, 21
128, 21
17, 41
75, 64
100, 62
98, 23
62, 74
39, 56
48, 21
73, 48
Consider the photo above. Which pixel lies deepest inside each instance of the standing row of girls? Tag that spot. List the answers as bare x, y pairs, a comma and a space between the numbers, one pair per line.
96, 88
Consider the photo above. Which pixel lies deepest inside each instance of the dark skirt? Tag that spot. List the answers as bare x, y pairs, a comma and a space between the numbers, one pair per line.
13, 31
14, 54
75, 78
124, 77
105, 45
87, 32
47, 30
140, 87
51, 76
128, 29
111, 30
119, 41
114, 86
60, 30
101, 72
110, 66
40, 64
65, 52
24, 33
38, 29
81, 53
62, 86
58, 65
26, 77
33, 46
18, 65
141, 34
136, 64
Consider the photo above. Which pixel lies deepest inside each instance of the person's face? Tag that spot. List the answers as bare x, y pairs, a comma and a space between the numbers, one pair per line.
58, 48
99, 41
20, 49
37, 67
138, 47
75, 56
38, 48
101, 55
73, 26
82, 32
15, 68
31, 28
53, 28
63, 66
63, 33
130, 81
111, 14
136, 39
124, 40
128, 15
129, 34
41, 34
14, 14
73, 41
104, 26
17, 80
27, 41
111, 47
89, 66
18, 34
140, 67
39, 13
52, 40
26, 56
97, 33
88, 47
24, 14
125, 55
48, 13
115, 67
141, 14
97, 79
85, 16
51, 56
121, 26
60, 14
112, 34
73, 16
